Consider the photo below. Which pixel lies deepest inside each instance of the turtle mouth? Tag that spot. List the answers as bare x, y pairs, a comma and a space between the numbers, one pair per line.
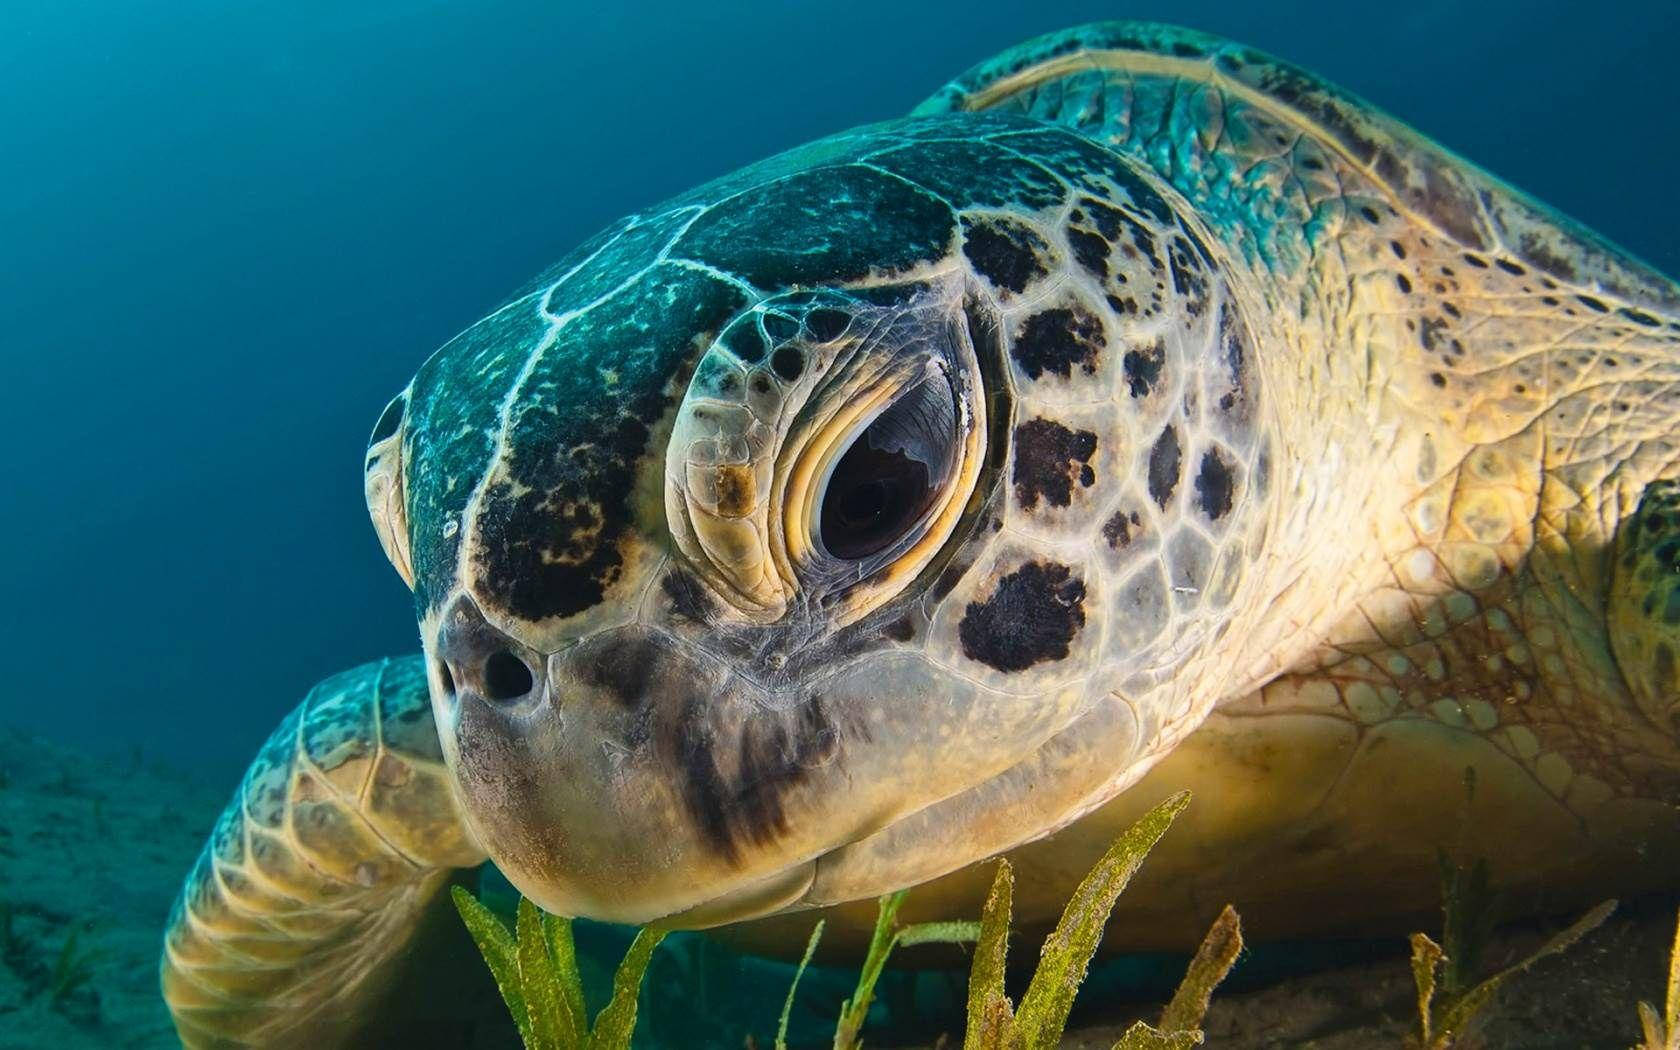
783, 891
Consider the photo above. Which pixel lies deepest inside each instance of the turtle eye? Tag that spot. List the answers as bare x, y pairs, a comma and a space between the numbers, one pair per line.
883, 485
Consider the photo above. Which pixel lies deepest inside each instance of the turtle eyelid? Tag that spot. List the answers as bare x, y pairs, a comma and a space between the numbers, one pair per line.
382, 484
389, 420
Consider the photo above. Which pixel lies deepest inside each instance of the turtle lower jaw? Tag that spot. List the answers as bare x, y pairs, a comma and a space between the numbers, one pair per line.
767, 896
1088, 762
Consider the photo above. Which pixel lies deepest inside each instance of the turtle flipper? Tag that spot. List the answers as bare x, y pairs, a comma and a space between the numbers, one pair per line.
342, 833
1644, 608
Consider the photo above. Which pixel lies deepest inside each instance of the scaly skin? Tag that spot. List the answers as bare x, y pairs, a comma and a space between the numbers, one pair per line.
343, 831
1289, 458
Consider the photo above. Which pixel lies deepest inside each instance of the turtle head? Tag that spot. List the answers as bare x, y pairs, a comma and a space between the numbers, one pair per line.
710, 533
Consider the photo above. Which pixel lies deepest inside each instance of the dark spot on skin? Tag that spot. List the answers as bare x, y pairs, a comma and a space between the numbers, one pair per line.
1429, 330
1058, 340
1090, 251
688, 600
1214, 485
761, 384
827, 324
1593, 304
1105, 217
1086, 164
1438, 379
1143, 241
1370, 214
745, 341
788, 363
736, 489
773, 753
1450, 310
549, 535
1237, 398
1029, 619
1048, 457
1475, 261
900, 630
1143, 367
1510, 267
1164, 460
526, 532
626, 668
1122, 528
1397, 249
1404, 283
1186, 277
1006, 253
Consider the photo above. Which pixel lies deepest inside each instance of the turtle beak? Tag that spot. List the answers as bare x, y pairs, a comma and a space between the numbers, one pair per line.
630, 778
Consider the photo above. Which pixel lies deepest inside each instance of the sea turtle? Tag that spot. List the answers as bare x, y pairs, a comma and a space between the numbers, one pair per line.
1138, 405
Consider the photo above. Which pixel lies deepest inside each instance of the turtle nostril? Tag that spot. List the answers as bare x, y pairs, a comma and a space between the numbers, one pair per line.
446, 678
505, 676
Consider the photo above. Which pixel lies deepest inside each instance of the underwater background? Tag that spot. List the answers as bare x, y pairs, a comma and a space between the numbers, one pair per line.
229, 232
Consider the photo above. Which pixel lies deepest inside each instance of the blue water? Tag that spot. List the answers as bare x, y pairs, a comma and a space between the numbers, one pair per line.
229, 232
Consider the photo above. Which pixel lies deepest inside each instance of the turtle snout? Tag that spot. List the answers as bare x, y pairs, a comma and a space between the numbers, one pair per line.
478, 660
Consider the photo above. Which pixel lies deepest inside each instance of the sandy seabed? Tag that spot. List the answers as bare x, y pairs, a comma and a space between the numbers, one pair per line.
96, 848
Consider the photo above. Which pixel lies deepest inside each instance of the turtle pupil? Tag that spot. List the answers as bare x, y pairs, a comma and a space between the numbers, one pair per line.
864, 503
873, 497
890, 476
